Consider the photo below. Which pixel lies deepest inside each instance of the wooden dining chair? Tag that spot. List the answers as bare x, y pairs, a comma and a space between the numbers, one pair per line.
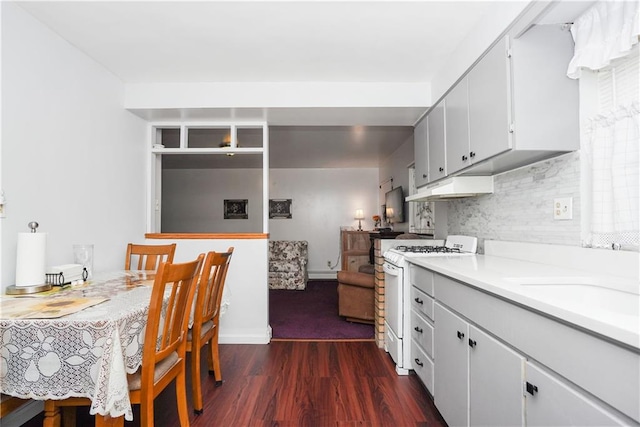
164, 347
148, 257
8, 404
206, 321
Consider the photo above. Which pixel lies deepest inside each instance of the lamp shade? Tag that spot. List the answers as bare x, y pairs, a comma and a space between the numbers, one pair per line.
359, 214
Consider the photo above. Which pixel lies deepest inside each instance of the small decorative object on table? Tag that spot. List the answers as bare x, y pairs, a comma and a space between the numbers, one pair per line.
66, 274
377, 221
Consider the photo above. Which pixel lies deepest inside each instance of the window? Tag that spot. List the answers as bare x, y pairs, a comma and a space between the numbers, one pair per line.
610, 145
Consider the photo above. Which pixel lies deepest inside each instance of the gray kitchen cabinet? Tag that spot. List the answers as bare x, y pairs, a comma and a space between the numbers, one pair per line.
422, 315
421, 154
496, 373
552, 402
473, 372
515, 106
522, 106
457, 127
451, 367
571, 370
436, 142
489, 105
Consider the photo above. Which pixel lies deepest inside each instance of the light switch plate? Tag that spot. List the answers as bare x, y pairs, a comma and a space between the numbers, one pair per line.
563, 208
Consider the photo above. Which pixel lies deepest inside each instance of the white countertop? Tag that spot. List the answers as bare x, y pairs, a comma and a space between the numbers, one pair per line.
604, 304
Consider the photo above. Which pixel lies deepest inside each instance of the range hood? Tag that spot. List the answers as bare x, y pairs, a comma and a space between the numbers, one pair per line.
454, 188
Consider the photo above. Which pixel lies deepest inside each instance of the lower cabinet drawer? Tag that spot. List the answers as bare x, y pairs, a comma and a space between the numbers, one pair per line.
421, 278
422, 332
423, 366
422, 302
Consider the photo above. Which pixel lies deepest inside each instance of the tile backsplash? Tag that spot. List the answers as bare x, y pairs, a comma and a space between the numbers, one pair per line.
521, 207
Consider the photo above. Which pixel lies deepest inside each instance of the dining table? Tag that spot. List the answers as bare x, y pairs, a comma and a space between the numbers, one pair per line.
77, 341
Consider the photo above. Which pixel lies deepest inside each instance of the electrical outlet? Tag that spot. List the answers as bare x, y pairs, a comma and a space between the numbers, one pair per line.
329, 264
563, 208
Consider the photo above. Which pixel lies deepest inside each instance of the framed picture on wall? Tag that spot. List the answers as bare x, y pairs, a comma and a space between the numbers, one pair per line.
236, 209
280, 208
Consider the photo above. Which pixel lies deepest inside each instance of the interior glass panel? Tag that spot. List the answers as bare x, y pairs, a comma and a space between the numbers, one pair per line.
208, 137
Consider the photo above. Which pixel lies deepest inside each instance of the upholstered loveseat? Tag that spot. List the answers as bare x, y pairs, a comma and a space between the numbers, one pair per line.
288, 264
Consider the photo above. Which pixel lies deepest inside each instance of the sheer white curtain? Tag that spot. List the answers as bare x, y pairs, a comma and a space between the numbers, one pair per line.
606, 31
606, 38
611, 146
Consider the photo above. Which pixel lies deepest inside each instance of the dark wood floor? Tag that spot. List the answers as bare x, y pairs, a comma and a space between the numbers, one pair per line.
289, 383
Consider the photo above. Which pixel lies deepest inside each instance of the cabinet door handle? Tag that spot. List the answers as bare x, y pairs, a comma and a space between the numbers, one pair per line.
464, 158
418, 329
531, 389
441, 169
472, 154
460, 335
418, 300
424, 175
472, 343
418, 362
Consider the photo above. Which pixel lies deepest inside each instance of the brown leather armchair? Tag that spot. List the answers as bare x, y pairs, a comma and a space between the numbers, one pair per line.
356, 296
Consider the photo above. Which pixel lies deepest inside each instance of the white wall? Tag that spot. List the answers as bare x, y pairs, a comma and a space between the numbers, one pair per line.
323, 200
490, 27
246, 320
396, 166
193, 200
72, 158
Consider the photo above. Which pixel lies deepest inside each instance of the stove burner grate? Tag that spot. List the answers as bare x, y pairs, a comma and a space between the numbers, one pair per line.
426, 249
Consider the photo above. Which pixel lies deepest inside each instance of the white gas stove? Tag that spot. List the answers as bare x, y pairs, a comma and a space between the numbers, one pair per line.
398, 290
454, 245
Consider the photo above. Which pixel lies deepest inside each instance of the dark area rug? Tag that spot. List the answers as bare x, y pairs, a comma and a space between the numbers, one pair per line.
312, 314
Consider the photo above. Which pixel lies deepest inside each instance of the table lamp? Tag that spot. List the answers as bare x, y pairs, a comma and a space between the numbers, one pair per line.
359, 216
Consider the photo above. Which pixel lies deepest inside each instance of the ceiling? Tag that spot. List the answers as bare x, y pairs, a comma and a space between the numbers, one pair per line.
267, 41
264, 41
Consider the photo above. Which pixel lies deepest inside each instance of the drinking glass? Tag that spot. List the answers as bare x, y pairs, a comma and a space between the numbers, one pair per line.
83, 254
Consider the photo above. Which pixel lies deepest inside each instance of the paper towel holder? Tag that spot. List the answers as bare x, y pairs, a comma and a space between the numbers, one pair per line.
32, 289
23, 290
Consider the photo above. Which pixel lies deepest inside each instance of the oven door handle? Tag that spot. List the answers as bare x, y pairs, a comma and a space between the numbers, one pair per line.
390, 270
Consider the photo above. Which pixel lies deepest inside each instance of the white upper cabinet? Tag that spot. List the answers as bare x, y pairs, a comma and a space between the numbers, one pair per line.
437, 138
516, 106
457, 127
489, 104
421, 153
522, 106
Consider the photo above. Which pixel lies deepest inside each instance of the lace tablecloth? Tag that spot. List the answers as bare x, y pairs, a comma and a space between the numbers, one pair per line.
85, 354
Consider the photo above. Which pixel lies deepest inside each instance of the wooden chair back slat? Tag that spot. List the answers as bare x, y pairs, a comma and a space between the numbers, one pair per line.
167, 325
148, 257
211, 286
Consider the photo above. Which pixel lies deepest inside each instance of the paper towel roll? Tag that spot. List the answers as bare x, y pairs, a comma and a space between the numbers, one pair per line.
31, 259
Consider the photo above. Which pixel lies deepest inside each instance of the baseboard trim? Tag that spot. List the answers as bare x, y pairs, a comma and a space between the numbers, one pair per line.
246, 339
323, 275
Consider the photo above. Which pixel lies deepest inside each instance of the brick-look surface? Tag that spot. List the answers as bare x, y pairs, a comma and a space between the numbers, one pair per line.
379, 293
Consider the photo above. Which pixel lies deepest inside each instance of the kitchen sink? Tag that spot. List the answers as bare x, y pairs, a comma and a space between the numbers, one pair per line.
552, 280
580, 293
